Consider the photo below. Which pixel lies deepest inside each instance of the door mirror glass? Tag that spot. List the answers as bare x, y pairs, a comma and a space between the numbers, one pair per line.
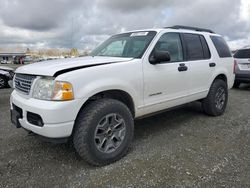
159, 56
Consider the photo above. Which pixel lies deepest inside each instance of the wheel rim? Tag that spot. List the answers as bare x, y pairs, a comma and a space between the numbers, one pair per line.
2, 82
220, 98
110, 133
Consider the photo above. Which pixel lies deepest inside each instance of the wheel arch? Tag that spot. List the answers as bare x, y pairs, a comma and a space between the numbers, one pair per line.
116, 94
221, 76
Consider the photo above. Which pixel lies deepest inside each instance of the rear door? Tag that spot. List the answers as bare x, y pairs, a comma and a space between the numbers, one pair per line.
199, 63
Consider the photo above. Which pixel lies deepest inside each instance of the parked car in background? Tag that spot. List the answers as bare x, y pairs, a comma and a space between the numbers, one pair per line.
6, 74
4, 62
28, 60
242, 66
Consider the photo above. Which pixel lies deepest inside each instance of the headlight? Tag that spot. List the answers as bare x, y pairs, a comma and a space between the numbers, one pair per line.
49, 89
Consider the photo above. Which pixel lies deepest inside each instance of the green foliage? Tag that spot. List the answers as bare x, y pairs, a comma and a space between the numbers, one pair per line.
74, 52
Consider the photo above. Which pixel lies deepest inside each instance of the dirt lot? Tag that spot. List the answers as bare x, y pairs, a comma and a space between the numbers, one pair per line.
179, 148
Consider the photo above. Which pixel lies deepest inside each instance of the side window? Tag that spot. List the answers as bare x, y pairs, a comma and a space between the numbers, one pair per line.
206, 50
171, 42
193, 46
221, 46
136, 47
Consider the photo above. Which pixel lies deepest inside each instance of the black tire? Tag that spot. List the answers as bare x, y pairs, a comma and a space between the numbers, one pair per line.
236, 84
86, 126
3, 82
212, 104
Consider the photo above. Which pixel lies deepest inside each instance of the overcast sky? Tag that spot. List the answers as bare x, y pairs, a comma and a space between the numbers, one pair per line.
84, 23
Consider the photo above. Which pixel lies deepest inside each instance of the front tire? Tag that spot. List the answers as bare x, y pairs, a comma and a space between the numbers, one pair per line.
216, 101
103, 132
3, 82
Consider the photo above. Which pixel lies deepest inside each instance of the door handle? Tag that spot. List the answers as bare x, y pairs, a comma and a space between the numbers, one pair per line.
212, 64
182, 67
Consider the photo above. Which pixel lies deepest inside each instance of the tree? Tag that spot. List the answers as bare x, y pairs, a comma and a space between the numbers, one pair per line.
74, 52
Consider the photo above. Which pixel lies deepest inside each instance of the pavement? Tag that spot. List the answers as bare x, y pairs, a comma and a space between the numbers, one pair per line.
178, 148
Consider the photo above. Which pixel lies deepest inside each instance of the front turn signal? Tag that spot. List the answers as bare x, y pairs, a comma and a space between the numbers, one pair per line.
63, 91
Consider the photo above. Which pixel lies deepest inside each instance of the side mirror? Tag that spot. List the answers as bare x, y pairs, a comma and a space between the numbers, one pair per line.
159, 56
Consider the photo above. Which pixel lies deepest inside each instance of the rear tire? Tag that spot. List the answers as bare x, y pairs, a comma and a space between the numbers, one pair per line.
216, 101
103, 132
3, 82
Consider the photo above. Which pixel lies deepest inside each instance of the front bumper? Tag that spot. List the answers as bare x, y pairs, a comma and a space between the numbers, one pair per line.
58, 117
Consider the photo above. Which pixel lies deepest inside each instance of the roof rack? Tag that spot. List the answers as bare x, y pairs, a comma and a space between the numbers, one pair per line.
190, 28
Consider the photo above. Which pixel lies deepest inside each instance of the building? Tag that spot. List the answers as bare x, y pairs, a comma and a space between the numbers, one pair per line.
12, 57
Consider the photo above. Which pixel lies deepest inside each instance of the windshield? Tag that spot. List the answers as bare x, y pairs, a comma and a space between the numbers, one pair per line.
131, 44
241, 54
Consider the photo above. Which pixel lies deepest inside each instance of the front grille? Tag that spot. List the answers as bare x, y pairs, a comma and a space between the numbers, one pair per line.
23, 82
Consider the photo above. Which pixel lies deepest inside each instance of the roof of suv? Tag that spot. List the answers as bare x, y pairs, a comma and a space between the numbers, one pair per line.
179, 28
191, 28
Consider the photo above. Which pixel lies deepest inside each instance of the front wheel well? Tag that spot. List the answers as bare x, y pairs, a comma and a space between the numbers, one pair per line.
5, 81
119, 95
3, 76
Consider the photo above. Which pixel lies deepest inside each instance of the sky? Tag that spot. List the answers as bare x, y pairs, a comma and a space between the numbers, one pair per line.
83, 24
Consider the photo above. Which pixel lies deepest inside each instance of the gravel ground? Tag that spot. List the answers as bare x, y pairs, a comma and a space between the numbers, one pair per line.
179, 148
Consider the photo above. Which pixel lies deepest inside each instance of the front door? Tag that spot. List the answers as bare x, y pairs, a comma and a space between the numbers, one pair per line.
165, 84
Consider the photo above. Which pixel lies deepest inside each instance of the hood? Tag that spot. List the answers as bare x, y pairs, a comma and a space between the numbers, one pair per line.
6, 68
54, 67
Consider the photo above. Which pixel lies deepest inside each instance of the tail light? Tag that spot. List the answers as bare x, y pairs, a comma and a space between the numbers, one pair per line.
235, 65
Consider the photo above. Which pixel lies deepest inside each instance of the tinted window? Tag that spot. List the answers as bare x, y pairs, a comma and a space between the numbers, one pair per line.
242, 53
171, 42
136, 47
194, 47
206, 51
221, 46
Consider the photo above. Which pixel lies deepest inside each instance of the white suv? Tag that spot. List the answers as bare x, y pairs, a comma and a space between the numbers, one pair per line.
94, 100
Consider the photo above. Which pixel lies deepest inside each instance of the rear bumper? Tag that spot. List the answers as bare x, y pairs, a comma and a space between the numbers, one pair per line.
58, 117
242, 76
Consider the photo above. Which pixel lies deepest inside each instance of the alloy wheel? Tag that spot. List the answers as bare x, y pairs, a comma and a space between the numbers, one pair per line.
220, 98
110, 133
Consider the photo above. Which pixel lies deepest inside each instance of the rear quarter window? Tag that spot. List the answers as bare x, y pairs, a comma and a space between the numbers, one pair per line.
221, 46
